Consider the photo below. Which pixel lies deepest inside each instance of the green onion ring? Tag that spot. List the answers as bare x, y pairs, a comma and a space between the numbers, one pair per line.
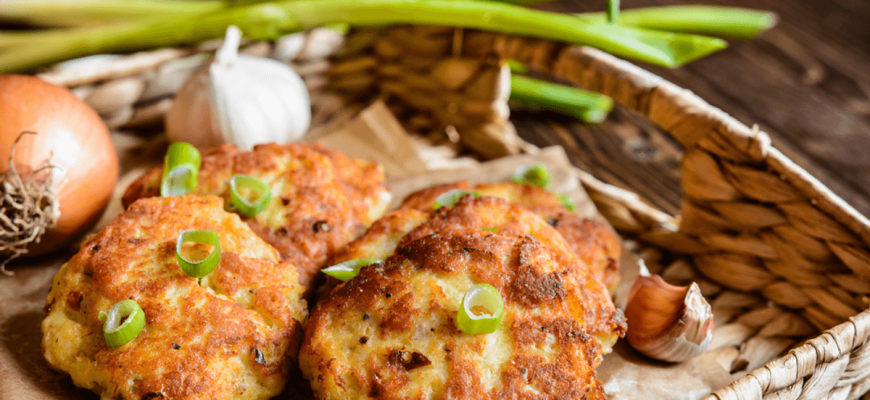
566, 201
537, 175
451, 197
119, 333
349, 269
180, 170
201, 268
486, 297
247, 208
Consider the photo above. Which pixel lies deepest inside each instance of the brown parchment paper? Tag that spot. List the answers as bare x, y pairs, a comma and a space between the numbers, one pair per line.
625, 374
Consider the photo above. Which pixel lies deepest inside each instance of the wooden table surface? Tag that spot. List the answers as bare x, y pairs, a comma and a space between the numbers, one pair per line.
806, 83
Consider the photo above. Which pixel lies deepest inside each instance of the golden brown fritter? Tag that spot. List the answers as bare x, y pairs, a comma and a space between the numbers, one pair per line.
592, 241
595, 309
390, 332
234, 335
321, 199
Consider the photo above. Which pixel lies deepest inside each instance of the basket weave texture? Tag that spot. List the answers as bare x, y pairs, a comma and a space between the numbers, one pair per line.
754, 222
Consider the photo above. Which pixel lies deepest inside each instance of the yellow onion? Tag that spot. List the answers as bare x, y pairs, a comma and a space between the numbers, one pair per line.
69, 152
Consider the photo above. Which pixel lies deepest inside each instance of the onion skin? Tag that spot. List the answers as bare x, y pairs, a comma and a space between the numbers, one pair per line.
80, 142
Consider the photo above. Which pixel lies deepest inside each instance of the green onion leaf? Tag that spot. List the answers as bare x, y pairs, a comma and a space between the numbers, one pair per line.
180, 170
123, 323
481, 310
566, 202
347, 270
612, 12
490, 229
536, 174
253, 186
201, 266
451, 197
730, 22
517, 67
536, 94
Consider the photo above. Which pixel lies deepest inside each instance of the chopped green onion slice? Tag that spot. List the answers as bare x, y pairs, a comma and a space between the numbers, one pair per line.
180, 170
533, 175
481, 310
490, 229
203, 265
347, 270
566, 202
451, 197
256, 188
123, 323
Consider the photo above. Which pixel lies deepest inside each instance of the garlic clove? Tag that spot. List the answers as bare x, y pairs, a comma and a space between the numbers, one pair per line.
240, 99
190, 118
666, 322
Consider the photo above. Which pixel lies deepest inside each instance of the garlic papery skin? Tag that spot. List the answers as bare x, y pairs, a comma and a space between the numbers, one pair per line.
666, 322
240, 99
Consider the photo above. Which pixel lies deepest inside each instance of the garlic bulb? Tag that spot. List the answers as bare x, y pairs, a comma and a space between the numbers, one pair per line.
666, 322
240, 99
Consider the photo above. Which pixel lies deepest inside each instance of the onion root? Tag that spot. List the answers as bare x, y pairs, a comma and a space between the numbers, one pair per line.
29, 205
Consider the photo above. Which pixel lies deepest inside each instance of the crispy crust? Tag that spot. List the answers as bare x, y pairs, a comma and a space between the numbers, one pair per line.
234, 337
594, 242
555, 309
321, 199
408, 304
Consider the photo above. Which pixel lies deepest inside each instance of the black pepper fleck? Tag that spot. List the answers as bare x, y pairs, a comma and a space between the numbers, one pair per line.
285, 200
364, 339
153, 395
389, 295
553, 221
321, 226
366, 317
95, 248
523, 371
176, 346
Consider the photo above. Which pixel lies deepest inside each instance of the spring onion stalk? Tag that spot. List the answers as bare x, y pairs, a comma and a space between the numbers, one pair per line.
73, 13
268, 20
203, 265
612, 12
490, 229
349, 269
536, 94
451, 197
730, 22
122, 323
481, 310
242, 187
180, 170
536, 174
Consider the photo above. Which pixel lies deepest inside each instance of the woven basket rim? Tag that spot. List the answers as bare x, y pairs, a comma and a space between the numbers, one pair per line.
789, 370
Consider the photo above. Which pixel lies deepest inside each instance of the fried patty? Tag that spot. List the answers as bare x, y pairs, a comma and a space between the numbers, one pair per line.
390, 332
321, 199
593, 241
233, 335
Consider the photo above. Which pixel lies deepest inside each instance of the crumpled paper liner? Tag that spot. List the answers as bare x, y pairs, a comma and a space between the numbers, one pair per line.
625, 374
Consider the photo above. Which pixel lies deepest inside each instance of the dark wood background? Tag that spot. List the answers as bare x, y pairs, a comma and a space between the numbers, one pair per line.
806, 83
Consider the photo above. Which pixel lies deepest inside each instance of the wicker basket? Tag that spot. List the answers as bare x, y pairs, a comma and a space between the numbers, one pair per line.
757, 229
